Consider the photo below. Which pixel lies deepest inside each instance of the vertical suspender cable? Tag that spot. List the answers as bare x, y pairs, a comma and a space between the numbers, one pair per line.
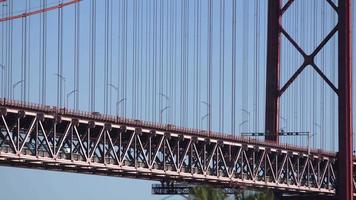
186, 75
150, 60
61, 79
333, 64
257, 57
10, 44
44, 54
110, 53
199, 13
245, 62
195, 92
125, 58
58, 58
119, 57
28, 70
233, 72
2, 54
185, 53
139, 59
300, 83
314, 77
186, 82
106, 58
222, 65
170, 13
134, 61
210, 54
166, 60
322, 88
175, 61
122, 63
154, 60
23, 57
182, 65
160, 70
5, 60
92, 55
76, 55
147, 60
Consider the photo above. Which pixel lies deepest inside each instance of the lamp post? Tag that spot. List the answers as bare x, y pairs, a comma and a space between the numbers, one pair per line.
14, 86
285, 122
68, 95
61, 78
203, 117
248, 116
161, 113
117, 93
208, 114
319, 126
167, 99
117, 105
164, 96
242, 123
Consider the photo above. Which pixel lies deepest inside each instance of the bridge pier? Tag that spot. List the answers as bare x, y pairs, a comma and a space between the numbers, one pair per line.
273, 70
344, 188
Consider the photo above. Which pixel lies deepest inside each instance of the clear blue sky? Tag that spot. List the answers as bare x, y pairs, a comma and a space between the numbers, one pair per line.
307, 106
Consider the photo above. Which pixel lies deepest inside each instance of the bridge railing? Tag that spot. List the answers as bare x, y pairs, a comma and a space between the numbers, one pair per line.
154, 125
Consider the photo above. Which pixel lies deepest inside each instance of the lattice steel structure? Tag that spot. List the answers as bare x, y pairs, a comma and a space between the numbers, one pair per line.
343, 91
36, 136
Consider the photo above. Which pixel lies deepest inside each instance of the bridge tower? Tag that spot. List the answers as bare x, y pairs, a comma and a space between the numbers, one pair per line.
344, 90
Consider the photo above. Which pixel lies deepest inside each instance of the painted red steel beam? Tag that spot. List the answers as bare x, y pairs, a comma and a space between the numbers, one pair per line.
27, 14
345, 185
273, 70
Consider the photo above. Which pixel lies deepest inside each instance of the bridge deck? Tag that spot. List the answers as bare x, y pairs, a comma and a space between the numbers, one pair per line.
59, 139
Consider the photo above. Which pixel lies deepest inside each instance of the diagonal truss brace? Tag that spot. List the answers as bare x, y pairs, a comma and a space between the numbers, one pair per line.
308, 59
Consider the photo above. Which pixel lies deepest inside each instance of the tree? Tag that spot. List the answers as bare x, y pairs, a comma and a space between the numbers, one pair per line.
265, 195
207, 193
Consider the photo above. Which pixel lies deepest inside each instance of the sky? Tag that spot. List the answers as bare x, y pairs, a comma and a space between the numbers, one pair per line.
18, 184
307, 106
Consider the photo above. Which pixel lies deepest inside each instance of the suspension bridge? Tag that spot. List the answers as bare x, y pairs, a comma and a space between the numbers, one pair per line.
235, 94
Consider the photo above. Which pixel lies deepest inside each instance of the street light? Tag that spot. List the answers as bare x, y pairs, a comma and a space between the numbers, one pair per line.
206, 103
117, 105
161, 113
117, 93
163, 95
208, 114
285, 122
319, 126
168, 104
242, 123
14, 86
248, 116
70, 93
203, 117
61, 78
115, 88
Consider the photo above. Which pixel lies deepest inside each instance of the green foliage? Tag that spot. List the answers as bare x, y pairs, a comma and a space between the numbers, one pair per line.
266, 195
207, 193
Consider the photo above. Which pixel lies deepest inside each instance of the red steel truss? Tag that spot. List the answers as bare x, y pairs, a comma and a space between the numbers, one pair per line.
49, 138
344, 90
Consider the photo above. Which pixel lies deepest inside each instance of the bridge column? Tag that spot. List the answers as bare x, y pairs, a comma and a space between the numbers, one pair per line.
273, 70
344, 181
